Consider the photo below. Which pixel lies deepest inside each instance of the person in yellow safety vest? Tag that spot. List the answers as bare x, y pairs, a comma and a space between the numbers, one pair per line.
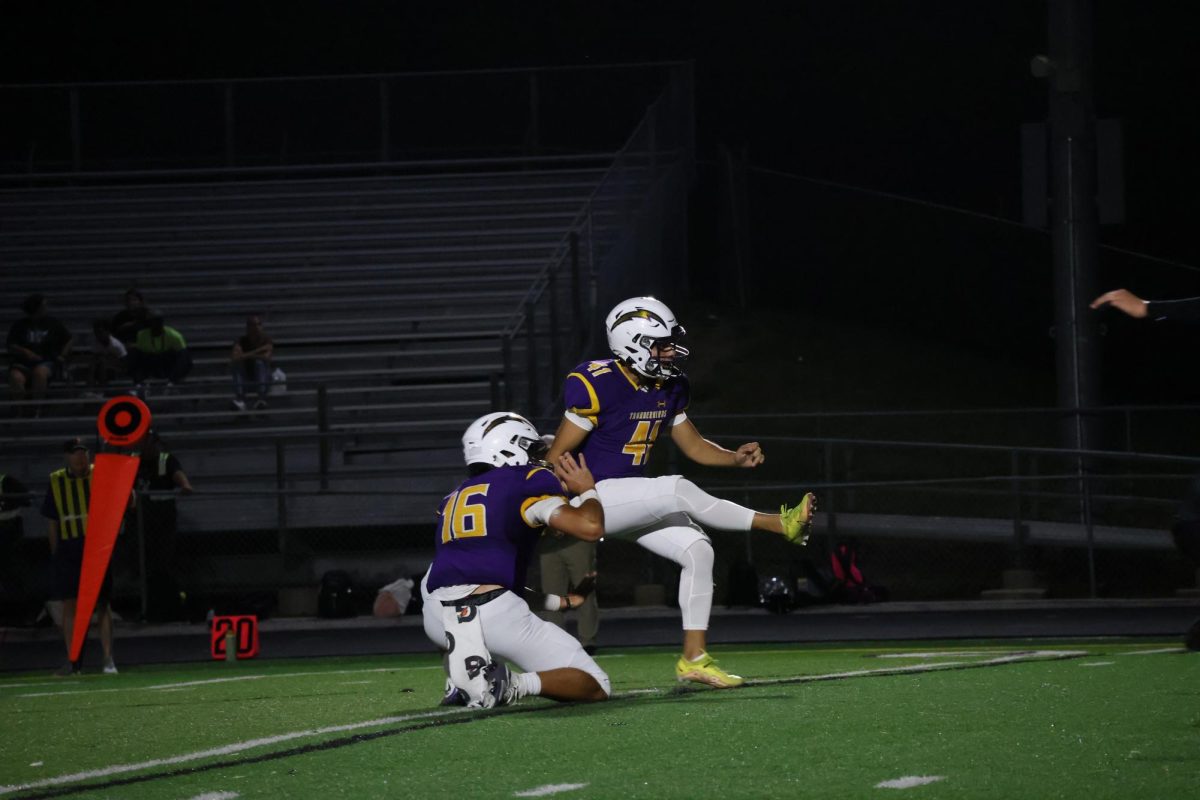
66, 509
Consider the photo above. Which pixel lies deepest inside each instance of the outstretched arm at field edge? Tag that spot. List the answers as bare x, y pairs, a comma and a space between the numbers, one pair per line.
1122, 300
567, 439
587, 521
1186, 309
688, 439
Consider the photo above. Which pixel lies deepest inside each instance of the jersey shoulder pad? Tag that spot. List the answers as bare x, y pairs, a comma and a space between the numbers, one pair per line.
541, 480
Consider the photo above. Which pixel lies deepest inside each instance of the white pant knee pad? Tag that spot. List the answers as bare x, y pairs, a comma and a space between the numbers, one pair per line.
696, 585
712, 512
583, 662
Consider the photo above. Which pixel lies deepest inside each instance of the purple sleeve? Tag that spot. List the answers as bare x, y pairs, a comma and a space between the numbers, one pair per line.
541, 482
683, 395
579, 397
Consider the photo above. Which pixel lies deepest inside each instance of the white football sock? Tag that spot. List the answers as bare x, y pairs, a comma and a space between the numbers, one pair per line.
528, 683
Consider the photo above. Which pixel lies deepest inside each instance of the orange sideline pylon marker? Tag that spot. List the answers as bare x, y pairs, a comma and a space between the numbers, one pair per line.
112, 480
122, 422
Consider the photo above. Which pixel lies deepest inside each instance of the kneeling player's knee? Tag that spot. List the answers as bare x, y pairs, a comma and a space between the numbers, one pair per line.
603, 686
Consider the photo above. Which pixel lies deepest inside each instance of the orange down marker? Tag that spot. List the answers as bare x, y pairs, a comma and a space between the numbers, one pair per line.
122, 422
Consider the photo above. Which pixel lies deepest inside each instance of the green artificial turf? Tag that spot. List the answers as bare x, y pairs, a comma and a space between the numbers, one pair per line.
821, 722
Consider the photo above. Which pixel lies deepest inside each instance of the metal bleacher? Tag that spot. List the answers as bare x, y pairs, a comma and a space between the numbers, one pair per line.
405, 298
385, 296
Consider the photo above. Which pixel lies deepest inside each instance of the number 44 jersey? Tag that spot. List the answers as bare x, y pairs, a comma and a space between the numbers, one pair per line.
488, 527
624, 416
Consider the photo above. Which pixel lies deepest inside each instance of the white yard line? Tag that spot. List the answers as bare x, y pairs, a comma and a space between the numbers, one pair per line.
909, 781
22, 685
1029, 655
940, 654
1098, 664
216, 796
230, 679
550, 788
225, 750
1155, 652
238, 747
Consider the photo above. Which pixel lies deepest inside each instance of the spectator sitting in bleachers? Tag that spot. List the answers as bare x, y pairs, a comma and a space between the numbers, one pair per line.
129, 322
38, 346
159, 352
251, 363
108, 355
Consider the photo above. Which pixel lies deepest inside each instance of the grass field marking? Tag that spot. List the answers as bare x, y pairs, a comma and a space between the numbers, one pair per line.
939, 654
1155, 652
237, 747
216, 796
1098, 664
229, 679
1012, 658
225, 750
549, 789
909, 781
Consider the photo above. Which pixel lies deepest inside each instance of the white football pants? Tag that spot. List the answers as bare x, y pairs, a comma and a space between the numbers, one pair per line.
661, 513
514, 633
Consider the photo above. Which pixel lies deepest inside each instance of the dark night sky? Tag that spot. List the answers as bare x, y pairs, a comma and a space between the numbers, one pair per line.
920, 99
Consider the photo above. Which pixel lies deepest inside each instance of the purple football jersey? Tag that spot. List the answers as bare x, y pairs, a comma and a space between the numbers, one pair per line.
627, 417
482, 536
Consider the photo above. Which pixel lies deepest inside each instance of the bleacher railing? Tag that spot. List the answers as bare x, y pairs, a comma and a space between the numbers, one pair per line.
935, 520
66, 131
630, 238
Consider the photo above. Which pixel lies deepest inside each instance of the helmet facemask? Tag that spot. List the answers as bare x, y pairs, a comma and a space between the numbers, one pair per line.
673, 367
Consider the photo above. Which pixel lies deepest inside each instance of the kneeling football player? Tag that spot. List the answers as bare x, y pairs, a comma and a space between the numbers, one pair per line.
486, 532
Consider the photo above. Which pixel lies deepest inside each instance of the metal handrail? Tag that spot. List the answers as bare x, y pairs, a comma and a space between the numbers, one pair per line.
358, 76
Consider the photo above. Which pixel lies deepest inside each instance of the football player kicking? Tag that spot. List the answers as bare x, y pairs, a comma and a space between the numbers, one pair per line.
614, 411
486, 532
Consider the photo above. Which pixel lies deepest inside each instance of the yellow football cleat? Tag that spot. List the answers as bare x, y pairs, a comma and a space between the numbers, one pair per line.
706, 671
797, 521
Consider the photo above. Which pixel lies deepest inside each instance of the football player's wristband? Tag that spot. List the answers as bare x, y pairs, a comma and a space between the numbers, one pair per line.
590, 494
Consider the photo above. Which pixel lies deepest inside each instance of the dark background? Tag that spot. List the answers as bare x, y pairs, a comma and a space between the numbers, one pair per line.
919, 100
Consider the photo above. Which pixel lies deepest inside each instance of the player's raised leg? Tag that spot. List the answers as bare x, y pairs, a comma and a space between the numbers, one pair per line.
792, 523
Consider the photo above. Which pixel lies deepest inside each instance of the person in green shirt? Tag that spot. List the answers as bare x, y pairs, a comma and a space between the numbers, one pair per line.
159, 351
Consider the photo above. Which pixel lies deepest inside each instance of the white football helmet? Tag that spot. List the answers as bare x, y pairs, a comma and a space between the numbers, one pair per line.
637, 324
502, 438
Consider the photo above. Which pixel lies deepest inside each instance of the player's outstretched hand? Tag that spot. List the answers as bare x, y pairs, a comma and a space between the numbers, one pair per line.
1122, 300
749, 455
575, 475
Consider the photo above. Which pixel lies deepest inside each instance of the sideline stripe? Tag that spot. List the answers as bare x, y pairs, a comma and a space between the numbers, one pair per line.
217, 796
550, 788
231, 679
909, 781
224, 750
1015, 658
434, 718
1155, 652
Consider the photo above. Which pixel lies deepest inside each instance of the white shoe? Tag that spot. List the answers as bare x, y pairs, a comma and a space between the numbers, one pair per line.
110, 668
239, 405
